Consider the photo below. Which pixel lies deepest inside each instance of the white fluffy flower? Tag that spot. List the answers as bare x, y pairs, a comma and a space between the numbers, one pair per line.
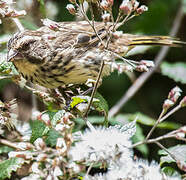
109, 145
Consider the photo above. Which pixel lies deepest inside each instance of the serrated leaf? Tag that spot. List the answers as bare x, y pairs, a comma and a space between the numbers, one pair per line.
169, 171
8, 166
56, 117
101, 105
39, 129
52, 136
175, 71
138, 136
76, 100
5, 149
178, 151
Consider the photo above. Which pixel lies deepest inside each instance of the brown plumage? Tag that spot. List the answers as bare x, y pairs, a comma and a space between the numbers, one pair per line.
72, 54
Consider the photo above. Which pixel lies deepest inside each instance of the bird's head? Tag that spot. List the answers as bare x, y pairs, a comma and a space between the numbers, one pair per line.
20, 44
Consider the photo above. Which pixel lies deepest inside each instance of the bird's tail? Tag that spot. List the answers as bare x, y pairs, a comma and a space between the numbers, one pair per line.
125, 42
153, 40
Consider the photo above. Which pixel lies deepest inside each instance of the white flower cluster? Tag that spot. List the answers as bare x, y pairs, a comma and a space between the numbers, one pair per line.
111, 147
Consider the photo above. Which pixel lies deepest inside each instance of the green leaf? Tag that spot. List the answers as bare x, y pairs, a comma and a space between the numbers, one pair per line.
178, 151
39, 129
175, 71
76, 100
148, 121
139, 136
5, 149
28, 24
92, 119
42, 7
184, 6
101, 105
169, 171
52, 136
8, 166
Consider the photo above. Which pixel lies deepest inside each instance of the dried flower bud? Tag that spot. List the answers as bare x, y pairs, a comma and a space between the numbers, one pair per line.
35, 168
167, 104
41, 157
106, 17
183, 102
24, 146
60, 127
72, 1
117, 34
135, 5
183, 129
147, 63
17, 13
174, 94
110, 2
57, 171
71, 9
60, 143
93, 1
126, 7
181, 165
141, 9
39, 144
142, 68
105, 5
180, 135
22, 154
51, 24
45, 118
35, 115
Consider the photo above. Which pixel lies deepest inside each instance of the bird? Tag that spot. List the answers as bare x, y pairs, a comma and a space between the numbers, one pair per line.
72, 52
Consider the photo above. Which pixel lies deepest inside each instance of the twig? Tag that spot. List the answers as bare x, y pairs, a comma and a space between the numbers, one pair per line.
161, 119
145, 76
165, 149
150, 141
94, 89
8, 143
90, 167
18, 24
170, 113
156, 124
81, 7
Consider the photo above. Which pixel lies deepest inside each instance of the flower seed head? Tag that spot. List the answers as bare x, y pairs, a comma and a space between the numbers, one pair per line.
126, 7
71, 9
106, 17
141, 9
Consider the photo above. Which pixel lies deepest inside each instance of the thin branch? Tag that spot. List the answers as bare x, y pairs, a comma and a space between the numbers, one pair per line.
156, 124
81, 7
95, 88
165, 149
150, 141
8, 143
145, 76
170, 113
18, 24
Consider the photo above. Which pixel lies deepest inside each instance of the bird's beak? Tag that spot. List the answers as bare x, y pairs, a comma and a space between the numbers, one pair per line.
11, 55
